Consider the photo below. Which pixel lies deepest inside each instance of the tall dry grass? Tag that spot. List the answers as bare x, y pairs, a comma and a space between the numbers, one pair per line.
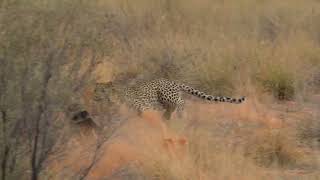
220, 46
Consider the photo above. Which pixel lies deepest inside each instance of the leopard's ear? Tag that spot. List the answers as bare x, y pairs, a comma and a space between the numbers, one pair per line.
103, 84
109, 84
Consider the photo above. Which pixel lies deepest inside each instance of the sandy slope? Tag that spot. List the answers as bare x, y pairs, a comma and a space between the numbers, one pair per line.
225, 130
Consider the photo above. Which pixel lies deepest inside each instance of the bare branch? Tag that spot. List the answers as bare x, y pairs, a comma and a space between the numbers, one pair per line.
6, 147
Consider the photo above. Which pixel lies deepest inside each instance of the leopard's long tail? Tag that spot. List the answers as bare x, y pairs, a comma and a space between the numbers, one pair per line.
202, 95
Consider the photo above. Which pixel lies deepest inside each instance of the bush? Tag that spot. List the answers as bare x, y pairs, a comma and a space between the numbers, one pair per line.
309, 132
269, 147
279, 82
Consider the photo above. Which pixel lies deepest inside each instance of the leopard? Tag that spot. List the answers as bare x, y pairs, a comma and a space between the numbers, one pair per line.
158, 94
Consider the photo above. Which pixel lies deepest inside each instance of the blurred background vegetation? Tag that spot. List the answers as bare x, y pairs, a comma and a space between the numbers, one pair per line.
50, 51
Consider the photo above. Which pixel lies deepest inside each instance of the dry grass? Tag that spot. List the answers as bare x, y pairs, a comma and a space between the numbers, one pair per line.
308, 132
215, 45
271, 147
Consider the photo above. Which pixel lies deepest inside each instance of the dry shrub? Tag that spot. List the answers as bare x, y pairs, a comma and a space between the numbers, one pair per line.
279, 83
163, 168
309, 132
272, 148
202, 161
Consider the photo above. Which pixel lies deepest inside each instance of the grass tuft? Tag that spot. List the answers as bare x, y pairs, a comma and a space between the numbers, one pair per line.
270, 148
280, 83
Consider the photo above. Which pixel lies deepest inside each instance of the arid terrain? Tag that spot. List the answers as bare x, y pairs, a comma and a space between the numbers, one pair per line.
210, 141
52, 52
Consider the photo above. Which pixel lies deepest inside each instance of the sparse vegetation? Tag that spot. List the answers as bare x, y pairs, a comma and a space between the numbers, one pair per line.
309, 132
50, 51
274, 148
279, 83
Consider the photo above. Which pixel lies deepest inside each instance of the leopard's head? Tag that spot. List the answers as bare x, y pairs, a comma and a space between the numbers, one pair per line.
103, 91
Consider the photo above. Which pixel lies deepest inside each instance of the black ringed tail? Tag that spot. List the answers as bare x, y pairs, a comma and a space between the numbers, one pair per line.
202, 95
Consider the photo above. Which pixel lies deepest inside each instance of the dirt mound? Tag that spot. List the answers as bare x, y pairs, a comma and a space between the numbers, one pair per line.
133, 143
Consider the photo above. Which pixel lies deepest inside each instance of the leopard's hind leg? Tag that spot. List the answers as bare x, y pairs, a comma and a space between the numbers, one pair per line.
169, 110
